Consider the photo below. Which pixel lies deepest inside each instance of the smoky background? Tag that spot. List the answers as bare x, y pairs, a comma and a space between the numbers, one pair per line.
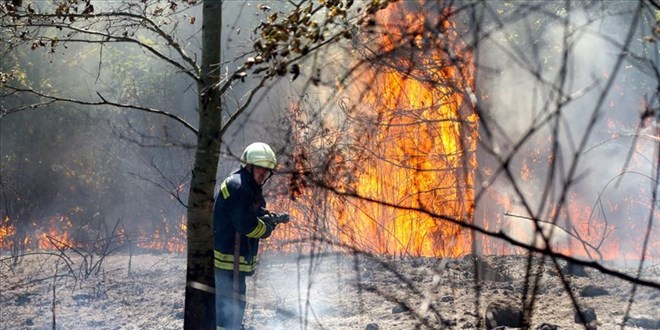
99, 165
597, 125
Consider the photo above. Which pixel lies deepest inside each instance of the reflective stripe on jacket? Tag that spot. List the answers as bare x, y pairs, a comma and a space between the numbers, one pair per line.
226, 262
237, 208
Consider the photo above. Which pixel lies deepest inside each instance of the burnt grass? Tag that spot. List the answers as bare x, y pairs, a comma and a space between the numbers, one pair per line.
331, 291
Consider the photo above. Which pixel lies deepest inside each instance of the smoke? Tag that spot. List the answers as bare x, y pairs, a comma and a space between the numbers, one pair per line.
532, 61
121, 163
307, 287
89, 162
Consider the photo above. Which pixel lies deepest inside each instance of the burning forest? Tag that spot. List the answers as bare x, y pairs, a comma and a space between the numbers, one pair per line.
446, 165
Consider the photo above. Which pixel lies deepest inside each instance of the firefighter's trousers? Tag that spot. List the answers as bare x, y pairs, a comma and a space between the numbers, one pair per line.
229, 306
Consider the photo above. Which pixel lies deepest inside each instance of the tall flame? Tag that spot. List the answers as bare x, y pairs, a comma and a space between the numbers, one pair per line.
414, 135
418, 152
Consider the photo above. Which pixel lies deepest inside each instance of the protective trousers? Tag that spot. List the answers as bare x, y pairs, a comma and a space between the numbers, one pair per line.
229, 307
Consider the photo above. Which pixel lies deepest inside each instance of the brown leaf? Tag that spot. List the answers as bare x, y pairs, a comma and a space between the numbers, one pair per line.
192, 19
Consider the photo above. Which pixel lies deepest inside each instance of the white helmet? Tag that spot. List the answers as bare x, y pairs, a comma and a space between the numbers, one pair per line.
259, 154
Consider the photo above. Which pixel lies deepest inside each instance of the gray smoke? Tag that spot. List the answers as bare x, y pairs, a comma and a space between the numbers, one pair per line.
523, 92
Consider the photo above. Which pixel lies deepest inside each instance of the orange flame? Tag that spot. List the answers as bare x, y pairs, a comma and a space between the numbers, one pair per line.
57, 232
415, 136
170, 237
421, 154
7, 234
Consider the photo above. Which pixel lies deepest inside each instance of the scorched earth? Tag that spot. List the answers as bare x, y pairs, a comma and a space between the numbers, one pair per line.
324, 291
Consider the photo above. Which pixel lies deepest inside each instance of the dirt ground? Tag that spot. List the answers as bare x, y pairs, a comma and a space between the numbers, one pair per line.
331, 291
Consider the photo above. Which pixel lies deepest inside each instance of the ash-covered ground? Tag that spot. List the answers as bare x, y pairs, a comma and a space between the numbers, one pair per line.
331, 291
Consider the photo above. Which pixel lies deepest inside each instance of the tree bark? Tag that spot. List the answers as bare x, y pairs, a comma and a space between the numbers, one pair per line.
199, 303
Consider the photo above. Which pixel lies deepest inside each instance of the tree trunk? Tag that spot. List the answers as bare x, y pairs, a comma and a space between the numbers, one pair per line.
200, 302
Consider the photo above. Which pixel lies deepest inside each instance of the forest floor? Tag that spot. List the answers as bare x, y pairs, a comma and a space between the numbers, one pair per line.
332, 291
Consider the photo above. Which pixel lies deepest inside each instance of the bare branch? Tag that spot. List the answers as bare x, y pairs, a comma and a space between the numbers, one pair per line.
49, 21
103, 101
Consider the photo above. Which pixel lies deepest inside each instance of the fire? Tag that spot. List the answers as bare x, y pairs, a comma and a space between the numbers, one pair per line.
59, 232
418, 152
7, 233
612, 227
170, 237
53, 233
414, 136
597, 237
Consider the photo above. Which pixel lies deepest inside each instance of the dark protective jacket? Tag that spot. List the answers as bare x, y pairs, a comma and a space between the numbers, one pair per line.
237, 209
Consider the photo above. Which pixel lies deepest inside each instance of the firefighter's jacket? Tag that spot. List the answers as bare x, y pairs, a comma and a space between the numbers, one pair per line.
238, 206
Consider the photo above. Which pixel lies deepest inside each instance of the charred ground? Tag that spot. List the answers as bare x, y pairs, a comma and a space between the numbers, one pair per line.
330, 291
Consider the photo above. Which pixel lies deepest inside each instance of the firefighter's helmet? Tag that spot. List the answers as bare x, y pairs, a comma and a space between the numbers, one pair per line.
259, 154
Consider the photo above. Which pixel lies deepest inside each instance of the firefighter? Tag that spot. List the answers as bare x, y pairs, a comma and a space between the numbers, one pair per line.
240, 220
